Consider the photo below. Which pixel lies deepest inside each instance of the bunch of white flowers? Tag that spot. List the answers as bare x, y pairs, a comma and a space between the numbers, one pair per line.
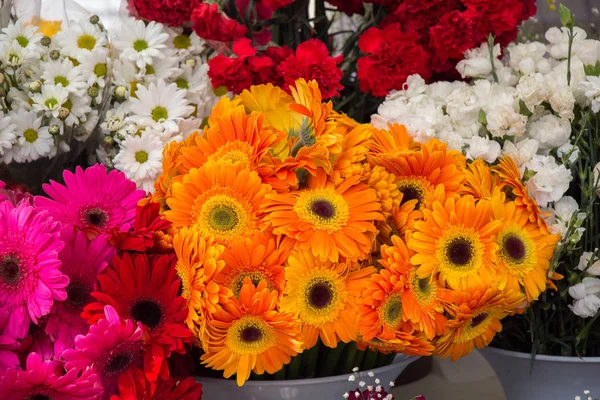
51, 89
161, 92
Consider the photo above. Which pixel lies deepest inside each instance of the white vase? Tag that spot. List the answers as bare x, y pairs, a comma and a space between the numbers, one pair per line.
552, 377
328, 388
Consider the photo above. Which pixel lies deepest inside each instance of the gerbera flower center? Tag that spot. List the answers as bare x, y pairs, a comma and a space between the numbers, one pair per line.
30, 135
148, 312
22, 40
78, 294
159, 114
182, 42
10, 271
61, 80
478, 320
223, 218
459, 251
514, 248
325, 209
392, 311
249, 335
413, 189
238, 282
39, 396
96, 217
320, 295
118, 363
141, 156
118, 359
86, 41
182, 83
140, 45
234, 152
100, 70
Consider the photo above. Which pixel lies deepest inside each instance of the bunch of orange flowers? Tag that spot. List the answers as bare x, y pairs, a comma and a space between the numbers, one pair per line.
297, 224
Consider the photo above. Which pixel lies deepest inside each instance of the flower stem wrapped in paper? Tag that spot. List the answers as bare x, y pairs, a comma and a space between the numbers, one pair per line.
54, 66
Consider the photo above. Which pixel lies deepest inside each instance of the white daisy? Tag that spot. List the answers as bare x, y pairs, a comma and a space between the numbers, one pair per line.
78, 108
13, 55
92, 122
185, 45
34, 140
160, 105
7, 133
50, 100
18, 99
199, 88
80, 39
125, 74
95, 67
164, 69
64, 73
140, 158
140, 43
26, 36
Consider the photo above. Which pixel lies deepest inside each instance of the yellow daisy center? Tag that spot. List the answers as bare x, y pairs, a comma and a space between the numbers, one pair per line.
182, 83
325, 209
414, 188
22, 40
86, 42
150, 70
322, 297
30, 135
100, 70
233, 152
390, 312
223, 217
141, 156
517, 250
160, 114
250, 335
459, 252
140, 45
182, 42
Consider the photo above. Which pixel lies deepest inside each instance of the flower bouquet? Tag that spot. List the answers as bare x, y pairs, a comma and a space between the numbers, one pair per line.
52, 97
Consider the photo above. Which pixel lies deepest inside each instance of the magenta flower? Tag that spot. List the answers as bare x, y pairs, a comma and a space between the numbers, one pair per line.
47, 380
111, 346
92, 200
30, 276
82, 262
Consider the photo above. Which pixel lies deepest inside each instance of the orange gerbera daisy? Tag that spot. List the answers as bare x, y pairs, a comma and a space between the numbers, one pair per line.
350, 161
223, 107
510, 177
249, 334
480, 182
412, 344
258, 258
322, 294
162, 186
524, 251
421, 303
475, 319
419, 172
198, 262
329, 221
457, 240
391, 143
219, 200
234, 137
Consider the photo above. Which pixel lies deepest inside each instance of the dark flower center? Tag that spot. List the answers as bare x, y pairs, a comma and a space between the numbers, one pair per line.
410, 193
478, 319
223, 218
393, 309
514, 248
423, 285
9, 270
39, 396
323, 209
77, 294
96, 217
148, 312
459, 252
238, 282
118, 364
320, 295
251, 334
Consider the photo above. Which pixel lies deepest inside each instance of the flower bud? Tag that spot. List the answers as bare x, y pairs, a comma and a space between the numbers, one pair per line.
63, 113
94, 19
54, 130
120, 92
35, 86
54, 54
108, 140
190, 62
46, 41
93, 92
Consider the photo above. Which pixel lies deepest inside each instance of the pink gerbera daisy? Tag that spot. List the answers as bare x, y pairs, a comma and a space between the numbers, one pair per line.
47, 380
134, 385
38, 341
92, 200
30, 276
8, 357
82, 262
111, 347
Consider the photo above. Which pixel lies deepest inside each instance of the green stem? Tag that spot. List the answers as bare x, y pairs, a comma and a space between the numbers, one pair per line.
312, 358
294, 367
370, 360
491, 40
332, 360
351, 358
571, 37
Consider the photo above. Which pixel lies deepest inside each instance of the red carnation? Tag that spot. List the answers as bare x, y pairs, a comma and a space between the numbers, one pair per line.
278, 55
420, 15
388, 4
212, 24
169, 12
313, 62
392, 57
348, 6
241, 72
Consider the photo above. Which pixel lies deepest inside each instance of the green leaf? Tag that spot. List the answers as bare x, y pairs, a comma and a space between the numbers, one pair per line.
592, 70
566, 16
523, 110
483, 117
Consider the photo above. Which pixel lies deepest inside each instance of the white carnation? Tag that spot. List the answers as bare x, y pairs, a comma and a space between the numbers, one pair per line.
505, 121
477, 63
562, 101
586, 264
591, 90
484, 149
570, 151
587, 50
550, 181
522, 151
528, 58
587, 297
558, 47
463, 106
533, 90
550, 131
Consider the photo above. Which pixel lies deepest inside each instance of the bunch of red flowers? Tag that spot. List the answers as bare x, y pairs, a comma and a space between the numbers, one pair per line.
430, 37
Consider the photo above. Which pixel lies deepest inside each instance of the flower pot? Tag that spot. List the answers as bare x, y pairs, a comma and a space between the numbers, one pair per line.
552, 377
332, 387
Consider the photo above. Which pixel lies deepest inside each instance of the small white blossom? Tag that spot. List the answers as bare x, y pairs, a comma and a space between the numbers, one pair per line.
371, 374
351, 378
361, 384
